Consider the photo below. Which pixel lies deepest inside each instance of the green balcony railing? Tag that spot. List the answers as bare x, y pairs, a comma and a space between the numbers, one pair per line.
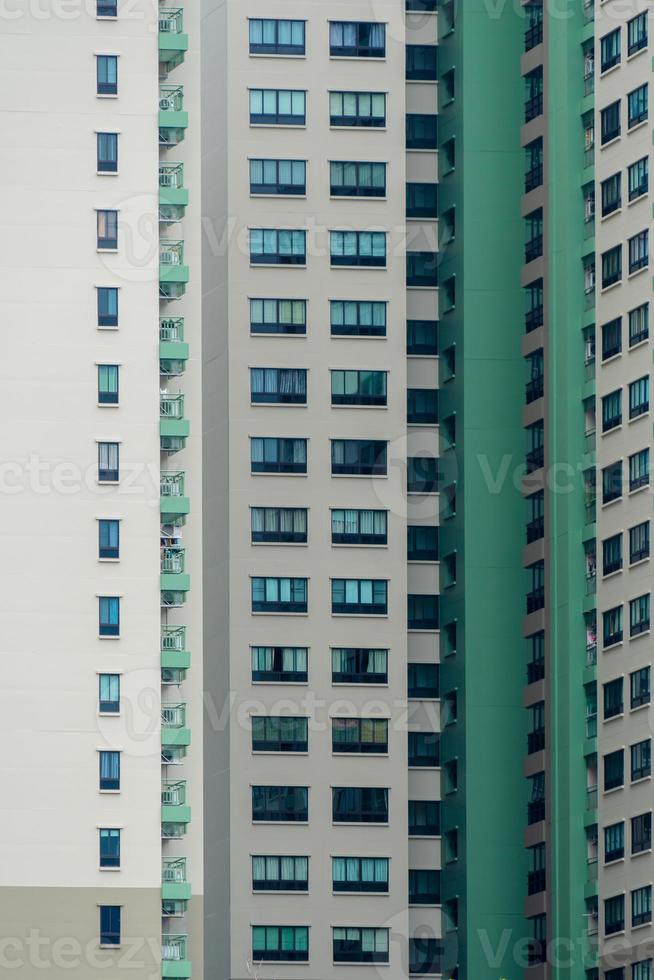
171, 98
173, 871
173, 792
173, 118
173, 639
173, 351
171, 329
173, 715
171, 20
173, 560
171, 176
171, 253
173, 948
171, 406
175, 658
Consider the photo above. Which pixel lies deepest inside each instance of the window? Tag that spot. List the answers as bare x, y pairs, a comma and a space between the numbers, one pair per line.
639, 615
362, 109
425, 955
638, 178
106, 74
352, 945
279, 525
639, 397
637, 106
612, 554
272, 455
278, 386
639, 542
277, 107
351, 804
639, 470
422, 270
641, 906
358, 387
354, 318
533, 94
107, 301
356, 665
422, 337
535, 456
421, 62
365, 736
637, 33
280, 664
614, 770
423, 6
280, 804
424, 886
289, 944
613, 698
271, 247
610, 50
423, 680
611, 338
536, 593
611, 194
613, 915
107, 148
421, 131
359, 526
106, 8
610, 122
613, 626
276, 36
354, 874
110, 925
534, 162
536, 878
639, 325
287, 177
534, 305
614, 842
421, 200
279, 734
422, 406
422, 542
536, 663
107, 229
641, 760
641, 833
357, 248
638, 252
536, 734
612, 410
359, 457
611, 266
109, 770
279, 595
422, 474
642, 970
109, 539
286, 874
350, 179
359, 597
424, 818
534, 233
612, 482
108, 384
108, 465
109, 694
424, 750
110, 849
351, 39
423, 612
639, 687
284, 316
109, 615
617, 974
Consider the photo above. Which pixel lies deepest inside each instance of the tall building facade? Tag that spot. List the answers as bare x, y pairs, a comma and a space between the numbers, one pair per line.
341, 665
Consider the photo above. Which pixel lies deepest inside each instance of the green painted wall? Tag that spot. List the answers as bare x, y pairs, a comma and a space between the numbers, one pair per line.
565, 445
487, 395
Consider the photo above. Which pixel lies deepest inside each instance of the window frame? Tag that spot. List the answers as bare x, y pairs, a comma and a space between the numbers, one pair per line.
277, 118
276, 47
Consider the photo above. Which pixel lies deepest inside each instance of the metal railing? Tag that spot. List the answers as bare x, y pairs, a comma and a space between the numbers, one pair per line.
591, 725
173, 715
591, 654
171, 406
173, 560
173, 947
171, 328
173, 638
173, 792
171, 20
171, 98
171, 253
171, 175
591, 583
174, 869
171, 484
591, 798
589, 10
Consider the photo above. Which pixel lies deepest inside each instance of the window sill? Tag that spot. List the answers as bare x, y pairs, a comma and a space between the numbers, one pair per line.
637, 418
607, 289
110, 946
359, 615
638, 854
641, 343
354, 545
282, 683
614, 789
279, 752
637, 782
607, 721
425, 149
102, 327
612, 864
357, 684
272, 54
104, 870
280, 823
614, 428
112, 714
278, 125
358, 129
641, 561
107, 173
279, 404
609, 71
276, 265
109, 560
359, 823
109, 792
632, 639
425, 631
107, 251
365, 59
358, 268
639, 707
108, 405
638, 125
422, 357
424, 768
279, 474
356, 198
360, 755
279, 544
632, 275
610, 575
278, 197
610, 503
643, 925
422, 561
613, 646
611, 214
383, 408
354, 336
632, 493
611, 359
106, 95
424, 289
630, 57
635, 200
610, 142
363, 894
273, 613
108, 637
359, 476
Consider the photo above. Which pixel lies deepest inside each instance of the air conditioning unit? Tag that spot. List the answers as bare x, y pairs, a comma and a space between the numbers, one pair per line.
168, 258
165, 104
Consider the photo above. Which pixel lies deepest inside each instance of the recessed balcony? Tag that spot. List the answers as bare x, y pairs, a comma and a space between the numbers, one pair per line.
173, 427
173, 42
174, 655
174, 883
174, 577
174, 808
174, 504
173, 273
173, 119
173, 195
173, 352
174, 731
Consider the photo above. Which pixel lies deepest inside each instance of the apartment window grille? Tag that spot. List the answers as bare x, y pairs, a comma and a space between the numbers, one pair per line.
639, 615
364, 736
639, 470
109, 615
611, 266
359, 457
611, 338
422, 474
289, 944
639, 325
641, 906
268, 246
352, 179
614, 770
107, 306
278, 525
284, 733
358, 388
641, 833
424, 750
610, 122
614, 915
107, 229
421, 63
639, 688
360, 945
109, 770
641, 760
638, 251
639, 397
359, 597
424, 886
109, 539
108, 384
612, 410
610, 50
614, 842
421, 131
639, 542
533, 94
612, 482
107, 153
359, 526
278, 455
424, 818
110, 925
109, 694
422, 543
613, 698
357, 248
109, 848
611, 194
612, 554
351, 804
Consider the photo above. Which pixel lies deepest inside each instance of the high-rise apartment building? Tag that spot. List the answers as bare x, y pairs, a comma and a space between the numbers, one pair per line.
337, 661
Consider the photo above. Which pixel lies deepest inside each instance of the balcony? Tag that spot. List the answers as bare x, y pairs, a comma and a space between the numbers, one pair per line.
536, 881
534, 318
534, 389
535, 811
173, 273
535, 671
173, 427
173, 196
173, 724
591, 798
174, 951
173, 352
536, 741
173, 575
535, 459
173, 120
174, 883
591, 654
534, 178
174, 505
174, 808
174, 655
534, 248
589, 10
536, 599
173, 42
535, 529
